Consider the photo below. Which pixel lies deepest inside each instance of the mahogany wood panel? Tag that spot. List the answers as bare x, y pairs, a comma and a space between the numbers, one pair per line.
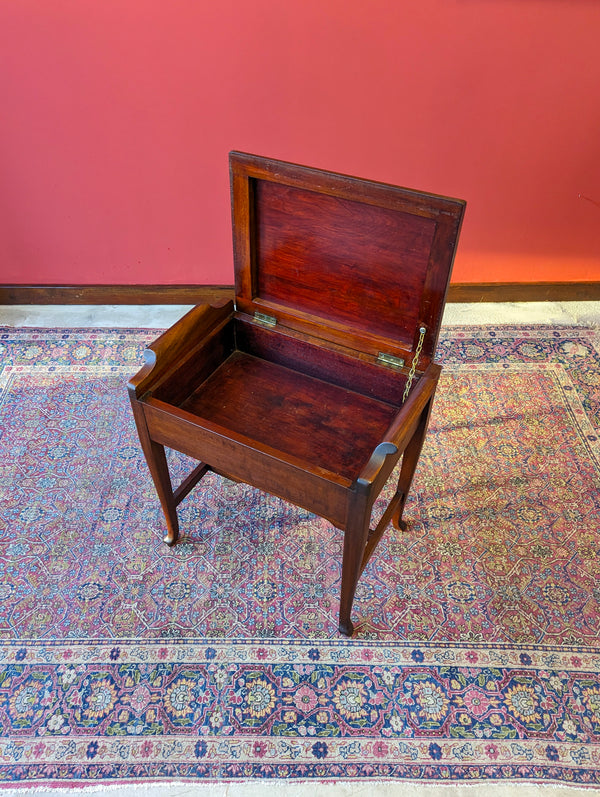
241, 459
169, 352
340, 260
197, 365
323, 425
349, 260
337, 365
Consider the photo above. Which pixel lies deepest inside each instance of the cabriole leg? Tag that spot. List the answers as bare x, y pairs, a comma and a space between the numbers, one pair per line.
159, 470
410, 459
156, 460
355, 543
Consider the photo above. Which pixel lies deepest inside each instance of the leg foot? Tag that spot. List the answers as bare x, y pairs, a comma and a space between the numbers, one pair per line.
401, 525
172, 522
346, 628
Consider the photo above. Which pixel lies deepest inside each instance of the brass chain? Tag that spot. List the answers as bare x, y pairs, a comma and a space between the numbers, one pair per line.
413, 366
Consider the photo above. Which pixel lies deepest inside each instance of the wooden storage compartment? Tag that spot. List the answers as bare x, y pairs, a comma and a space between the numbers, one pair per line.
321, 375
310, 403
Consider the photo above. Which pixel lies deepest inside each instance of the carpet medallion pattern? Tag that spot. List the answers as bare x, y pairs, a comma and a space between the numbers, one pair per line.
476, 653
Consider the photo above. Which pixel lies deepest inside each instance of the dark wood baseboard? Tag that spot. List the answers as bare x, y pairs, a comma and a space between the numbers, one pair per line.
114, 294
211, 294
524, 292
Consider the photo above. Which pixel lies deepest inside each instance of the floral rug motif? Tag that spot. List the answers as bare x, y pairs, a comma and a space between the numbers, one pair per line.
476, 653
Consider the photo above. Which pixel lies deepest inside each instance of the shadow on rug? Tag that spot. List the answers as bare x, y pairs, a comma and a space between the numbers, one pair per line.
476, 652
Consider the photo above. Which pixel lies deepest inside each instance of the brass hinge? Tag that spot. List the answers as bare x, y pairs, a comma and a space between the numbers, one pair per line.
265, 319
389, 359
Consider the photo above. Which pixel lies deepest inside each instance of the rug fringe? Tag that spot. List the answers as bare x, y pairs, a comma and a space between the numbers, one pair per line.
354, 787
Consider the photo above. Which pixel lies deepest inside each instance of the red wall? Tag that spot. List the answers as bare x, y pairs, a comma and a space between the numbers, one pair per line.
117, 116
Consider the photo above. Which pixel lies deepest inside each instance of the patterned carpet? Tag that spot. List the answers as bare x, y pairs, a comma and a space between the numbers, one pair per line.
477, 651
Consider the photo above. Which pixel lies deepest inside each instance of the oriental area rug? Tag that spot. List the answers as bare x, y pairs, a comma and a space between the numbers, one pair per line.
476, 655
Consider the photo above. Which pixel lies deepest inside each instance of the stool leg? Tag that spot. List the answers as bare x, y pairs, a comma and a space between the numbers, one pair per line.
355, 543
159, 470
156, 460
410, 459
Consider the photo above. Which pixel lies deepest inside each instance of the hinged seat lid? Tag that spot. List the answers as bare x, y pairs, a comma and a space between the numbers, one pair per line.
355, 262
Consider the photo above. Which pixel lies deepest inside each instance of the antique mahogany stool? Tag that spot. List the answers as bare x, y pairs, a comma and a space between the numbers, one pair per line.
320, 375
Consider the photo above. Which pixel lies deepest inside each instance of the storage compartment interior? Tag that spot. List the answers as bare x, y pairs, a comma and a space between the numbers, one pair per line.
322, 406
